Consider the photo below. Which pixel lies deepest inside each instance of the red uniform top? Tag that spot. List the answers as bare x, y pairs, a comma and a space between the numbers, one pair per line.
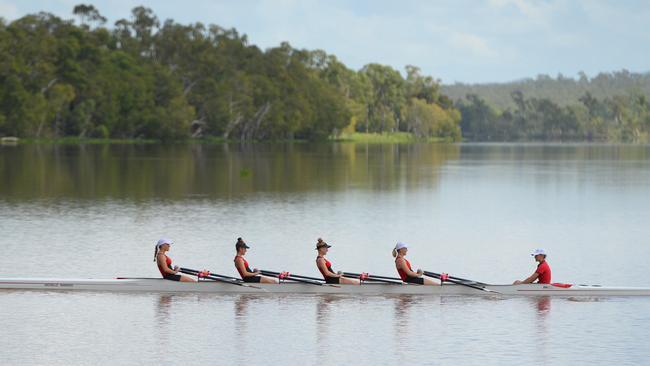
402, 273
169, 265
328, 264
245, 266
544, 272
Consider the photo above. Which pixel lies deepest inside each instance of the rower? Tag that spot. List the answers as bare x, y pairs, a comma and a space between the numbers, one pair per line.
246, 273
543, 272
165, 263
325, 267
404, 267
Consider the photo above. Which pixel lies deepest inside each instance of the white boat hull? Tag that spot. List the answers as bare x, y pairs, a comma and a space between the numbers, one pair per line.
161, 285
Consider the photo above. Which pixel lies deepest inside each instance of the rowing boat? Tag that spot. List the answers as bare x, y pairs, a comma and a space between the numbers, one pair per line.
161, 285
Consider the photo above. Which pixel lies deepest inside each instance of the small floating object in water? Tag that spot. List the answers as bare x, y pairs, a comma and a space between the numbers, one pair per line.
9, 140
244, 173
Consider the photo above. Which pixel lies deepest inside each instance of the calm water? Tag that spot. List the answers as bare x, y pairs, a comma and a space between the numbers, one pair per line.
471, 210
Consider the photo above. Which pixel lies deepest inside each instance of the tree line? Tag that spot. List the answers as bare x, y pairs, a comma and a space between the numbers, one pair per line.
610, 107
561, 90
145, 79
617, 119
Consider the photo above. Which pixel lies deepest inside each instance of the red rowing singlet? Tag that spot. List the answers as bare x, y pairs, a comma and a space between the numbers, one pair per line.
401, 272
245, 265
169, 265
328, 264
544, 272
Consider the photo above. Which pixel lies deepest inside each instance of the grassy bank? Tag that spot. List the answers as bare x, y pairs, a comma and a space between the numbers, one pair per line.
357, 137
95, 141
383, 138
84, 141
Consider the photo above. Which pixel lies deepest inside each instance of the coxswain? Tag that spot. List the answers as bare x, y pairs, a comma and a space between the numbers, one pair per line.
247, 274
543, 272
325, 266
404, 268
165, 263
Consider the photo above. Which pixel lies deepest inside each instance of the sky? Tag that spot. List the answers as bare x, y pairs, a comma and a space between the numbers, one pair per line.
469, 41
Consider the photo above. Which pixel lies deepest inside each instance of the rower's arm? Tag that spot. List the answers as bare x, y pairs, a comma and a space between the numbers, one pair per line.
531, 279
320, 262
401, 264
162, 263
239, 263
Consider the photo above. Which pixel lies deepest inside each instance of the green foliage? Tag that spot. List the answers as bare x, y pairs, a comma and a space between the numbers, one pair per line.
563, 91
147, 80
429, 119
617, 119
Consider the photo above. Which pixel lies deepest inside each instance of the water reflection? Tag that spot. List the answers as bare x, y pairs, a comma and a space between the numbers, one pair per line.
543, 306
401, 325
242, 316
323, 308
164, 307
324, 312
213, 171
241, 305
162, 319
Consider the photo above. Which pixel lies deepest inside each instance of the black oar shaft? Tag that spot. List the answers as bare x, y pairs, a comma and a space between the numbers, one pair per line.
211, 274
272, 273
438, 276
218, 278
460, 279
293, 278
372, 276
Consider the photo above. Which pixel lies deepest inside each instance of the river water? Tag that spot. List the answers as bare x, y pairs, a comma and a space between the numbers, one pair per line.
473, 210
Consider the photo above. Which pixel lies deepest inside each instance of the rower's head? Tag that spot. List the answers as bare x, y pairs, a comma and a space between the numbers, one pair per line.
162, 246
322, 246
400, 249
539, 254
241, 246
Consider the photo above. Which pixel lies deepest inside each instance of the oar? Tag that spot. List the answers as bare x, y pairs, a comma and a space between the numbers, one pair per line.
372, 278
449, 279
298, 279
461, 279
219, 278
275, 274
212, 274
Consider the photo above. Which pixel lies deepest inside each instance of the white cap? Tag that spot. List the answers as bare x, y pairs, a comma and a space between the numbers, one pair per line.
163, 241
538, 251
400, 245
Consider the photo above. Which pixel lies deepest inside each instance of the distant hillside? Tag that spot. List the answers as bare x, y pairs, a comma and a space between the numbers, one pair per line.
561, 90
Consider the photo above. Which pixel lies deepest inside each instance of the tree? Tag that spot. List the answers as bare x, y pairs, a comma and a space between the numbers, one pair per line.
87, 14
387, 97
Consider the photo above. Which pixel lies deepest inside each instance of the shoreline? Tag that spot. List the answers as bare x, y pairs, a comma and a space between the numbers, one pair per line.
356, 137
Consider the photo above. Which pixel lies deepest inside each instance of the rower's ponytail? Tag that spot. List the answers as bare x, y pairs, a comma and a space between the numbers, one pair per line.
155, 252
394, 252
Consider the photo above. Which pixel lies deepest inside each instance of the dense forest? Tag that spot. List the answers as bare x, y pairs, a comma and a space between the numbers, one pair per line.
608, 107
144, 79
560, 90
